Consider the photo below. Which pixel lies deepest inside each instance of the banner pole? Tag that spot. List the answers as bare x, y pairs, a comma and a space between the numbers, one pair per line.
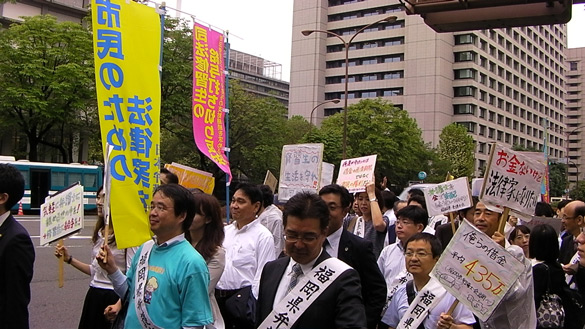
61, 265
227, 124
503, 220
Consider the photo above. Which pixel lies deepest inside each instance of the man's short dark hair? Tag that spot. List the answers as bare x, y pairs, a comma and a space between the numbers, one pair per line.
305, 205
416, 191
543, 209
267, 195
418, 199
183, 202
11, 183
415, 213
345, 196
171, 177
251, 191
388, 199
562, 204
436, 247
474, 201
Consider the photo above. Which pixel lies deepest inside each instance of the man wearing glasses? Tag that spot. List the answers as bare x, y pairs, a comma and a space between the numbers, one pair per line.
575, 211
572, 227
422, 251
309, 288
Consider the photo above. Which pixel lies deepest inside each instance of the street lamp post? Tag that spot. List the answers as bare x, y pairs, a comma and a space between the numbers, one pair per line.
346, 45
334, 101
567, 157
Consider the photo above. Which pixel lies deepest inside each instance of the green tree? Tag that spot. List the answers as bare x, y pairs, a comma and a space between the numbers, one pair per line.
375, 126
455, 153
47, 85
296, 129
557, 178
578, 192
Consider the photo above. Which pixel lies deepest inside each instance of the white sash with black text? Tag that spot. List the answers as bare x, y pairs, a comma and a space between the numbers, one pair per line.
308, 289
140, 284
424, 301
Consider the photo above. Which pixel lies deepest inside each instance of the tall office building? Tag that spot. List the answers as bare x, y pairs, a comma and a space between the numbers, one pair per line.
258, 76
575, 113
504, 85
64, 10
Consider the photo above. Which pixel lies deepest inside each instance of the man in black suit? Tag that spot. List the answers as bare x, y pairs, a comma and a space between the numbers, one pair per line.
571, 221
17, 254
354, 251
340, 305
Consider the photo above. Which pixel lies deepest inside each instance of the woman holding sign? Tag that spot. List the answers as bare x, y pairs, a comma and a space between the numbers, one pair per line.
371, 225
100, 294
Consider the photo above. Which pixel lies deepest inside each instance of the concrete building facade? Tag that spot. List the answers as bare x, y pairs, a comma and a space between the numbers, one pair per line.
258, 76
504, 85
575, 113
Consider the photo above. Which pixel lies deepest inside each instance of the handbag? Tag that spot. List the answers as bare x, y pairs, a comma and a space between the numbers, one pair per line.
550, 313
241, 307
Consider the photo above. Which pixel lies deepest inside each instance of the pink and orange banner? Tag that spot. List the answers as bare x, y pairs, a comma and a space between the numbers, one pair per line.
209, 95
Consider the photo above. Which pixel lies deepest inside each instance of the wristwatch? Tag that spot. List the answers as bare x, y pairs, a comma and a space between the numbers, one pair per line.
374, 200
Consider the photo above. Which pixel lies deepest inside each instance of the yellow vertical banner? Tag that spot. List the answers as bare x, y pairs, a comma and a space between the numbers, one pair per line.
127, 48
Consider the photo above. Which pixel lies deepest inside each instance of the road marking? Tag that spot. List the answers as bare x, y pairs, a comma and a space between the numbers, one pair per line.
75, 237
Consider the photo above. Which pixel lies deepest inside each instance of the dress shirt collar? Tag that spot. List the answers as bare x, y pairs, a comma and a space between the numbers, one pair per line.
305, 267
245, 227
3, 217
333, 240
169, 242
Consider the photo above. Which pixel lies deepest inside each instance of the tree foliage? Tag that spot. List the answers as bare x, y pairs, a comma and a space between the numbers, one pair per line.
374, 126
578, 192
47, 83
557, 178
454, 154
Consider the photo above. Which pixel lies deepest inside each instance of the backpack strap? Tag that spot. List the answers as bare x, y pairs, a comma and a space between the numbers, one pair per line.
411, 295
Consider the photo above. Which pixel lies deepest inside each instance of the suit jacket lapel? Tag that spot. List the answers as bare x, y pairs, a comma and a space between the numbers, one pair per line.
343, 253
281, 265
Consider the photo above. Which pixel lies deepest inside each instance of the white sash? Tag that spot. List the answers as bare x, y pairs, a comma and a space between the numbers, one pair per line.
286, 313
400, 279
574, 260
425, 300
360, 227
140, 284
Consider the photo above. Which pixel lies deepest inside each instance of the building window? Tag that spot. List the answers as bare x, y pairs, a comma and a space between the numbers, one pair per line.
464, 39
464, 91
464, 56
393, 92
465, 74
573, 66
464, 109
470, 126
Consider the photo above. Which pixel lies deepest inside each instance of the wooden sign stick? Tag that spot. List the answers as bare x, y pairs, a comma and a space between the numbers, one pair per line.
452, 219
503, 220
452, 308
61, 243
106, 236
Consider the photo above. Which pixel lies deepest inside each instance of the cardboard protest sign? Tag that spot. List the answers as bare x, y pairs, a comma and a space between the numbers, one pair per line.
300, 169
448, 196
476, 270
537, 220
356, 173
271, 181
193, 178
326, 174
512, 180
62, 214
476, 184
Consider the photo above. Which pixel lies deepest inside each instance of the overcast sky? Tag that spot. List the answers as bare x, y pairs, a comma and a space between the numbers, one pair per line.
264, 27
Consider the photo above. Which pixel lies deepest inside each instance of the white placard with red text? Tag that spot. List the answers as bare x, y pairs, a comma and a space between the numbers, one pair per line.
356, 173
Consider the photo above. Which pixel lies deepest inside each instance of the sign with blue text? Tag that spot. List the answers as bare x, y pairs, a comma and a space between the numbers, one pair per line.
300, 169
448, 196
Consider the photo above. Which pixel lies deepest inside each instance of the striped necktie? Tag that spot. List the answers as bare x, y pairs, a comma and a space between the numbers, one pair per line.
297, 272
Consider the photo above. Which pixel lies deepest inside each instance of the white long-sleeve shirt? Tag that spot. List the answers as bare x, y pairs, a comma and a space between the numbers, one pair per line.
246, 251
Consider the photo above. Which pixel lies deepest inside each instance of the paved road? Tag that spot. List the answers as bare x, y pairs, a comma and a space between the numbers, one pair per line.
51, 306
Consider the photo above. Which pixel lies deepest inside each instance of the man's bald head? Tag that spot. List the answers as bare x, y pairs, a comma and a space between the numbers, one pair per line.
575, 210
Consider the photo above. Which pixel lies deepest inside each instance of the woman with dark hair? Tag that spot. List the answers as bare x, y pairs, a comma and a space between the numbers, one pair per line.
520, 236
547, 273
206, 235
101, 291
544, 209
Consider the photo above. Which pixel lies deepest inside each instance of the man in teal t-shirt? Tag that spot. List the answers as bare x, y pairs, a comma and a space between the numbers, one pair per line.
168, 278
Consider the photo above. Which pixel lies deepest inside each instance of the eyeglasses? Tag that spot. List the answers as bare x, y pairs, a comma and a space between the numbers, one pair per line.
158, 207
565, 217
419, 254
308, 238
404, 222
